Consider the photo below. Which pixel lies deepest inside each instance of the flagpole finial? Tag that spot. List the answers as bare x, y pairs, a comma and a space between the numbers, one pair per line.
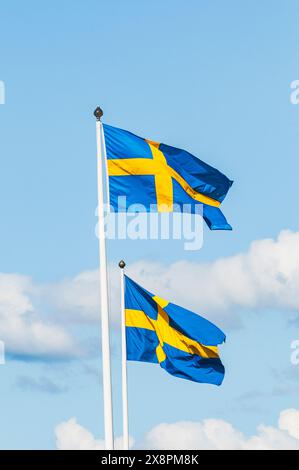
122, 264
98, 113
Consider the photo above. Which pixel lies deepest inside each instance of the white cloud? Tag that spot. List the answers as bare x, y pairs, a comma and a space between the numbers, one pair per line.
216, 434
266, 276
24, 331
212, 434
289, 421
72, 436
220, 435
77, 297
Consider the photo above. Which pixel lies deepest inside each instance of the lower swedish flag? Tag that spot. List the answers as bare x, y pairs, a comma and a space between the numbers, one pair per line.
182, 342
153, 174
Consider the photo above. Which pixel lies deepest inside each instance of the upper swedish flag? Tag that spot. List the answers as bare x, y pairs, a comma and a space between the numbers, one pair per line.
183, 343
151, 173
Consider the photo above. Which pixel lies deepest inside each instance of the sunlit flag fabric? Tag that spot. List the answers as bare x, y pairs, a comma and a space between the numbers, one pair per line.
150, 173
182, 342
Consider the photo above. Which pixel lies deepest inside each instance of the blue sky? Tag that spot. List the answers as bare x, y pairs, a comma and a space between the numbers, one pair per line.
212, 77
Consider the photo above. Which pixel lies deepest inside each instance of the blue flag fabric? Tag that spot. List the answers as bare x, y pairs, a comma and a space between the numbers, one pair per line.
151, 174
182, 342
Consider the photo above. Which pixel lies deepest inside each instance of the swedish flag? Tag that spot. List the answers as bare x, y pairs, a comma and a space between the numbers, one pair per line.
151, 173
182, 342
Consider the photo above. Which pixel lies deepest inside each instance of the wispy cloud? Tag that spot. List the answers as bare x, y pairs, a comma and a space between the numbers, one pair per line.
41, 384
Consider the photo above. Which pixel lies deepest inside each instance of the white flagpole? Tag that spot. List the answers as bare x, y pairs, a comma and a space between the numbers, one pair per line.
122, 265
106, 171
107, 388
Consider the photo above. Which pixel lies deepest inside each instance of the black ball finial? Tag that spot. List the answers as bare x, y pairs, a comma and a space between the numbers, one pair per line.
122, 264
98, 113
